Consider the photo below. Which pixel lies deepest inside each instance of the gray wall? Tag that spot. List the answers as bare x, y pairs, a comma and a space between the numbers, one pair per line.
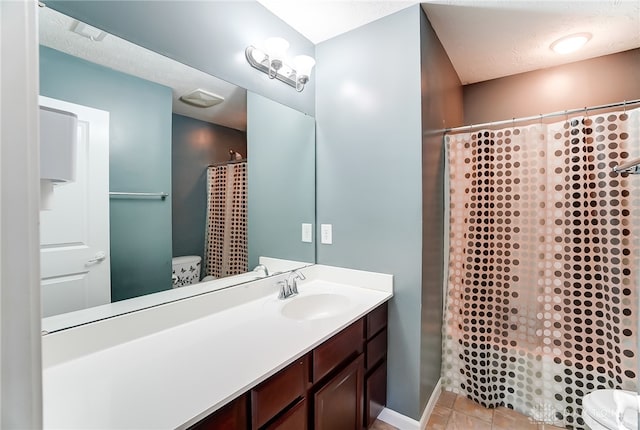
208, 35
195, 145
369, 174
441, 107
281, 180
607, 79
139, 161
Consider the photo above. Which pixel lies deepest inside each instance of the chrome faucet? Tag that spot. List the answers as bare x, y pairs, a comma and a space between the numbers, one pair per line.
292, 280
289, 287
262, 267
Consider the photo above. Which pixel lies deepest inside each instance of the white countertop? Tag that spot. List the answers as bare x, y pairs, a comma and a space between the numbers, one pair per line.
175, 376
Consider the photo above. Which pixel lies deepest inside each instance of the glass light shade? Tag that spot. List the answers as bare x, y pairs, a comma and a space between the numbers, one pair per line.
570, 43
276, 48
303, 65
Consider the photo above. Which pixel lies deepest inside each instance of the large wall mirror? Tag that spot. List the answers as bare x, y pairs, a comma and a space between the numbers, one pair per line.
171, 199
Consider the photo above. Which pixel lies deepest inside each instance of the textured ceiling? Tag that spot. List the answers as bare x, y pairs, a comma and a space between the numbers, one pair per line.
126, 57
485, 39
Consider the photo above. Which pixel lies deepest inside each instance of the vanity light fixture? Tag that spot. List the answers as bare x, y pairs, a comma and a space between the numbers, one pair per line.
571, 43
272, 60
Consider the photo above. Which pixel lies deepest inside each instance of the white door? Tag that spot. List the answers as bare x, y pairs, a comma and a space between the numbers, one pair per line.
74, 234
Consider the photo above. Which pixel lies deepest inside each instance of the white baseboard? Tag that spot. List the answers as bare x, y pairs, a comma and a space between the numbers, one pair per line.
398, 420
403, 422
433, 399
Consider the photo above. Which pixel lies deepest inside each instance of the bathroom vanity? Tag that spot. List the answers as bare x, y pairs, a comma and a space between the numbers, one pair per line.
234, 358
339, 384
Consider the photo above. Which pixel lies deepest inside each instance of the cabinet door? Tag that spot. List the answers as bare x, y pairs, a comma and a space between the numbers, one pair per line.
294, 419
232, 416
375, 393
338, 404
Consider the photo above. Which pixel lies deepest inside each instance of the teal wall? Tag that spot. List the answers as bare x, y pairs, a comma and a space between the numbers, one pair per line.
195, 145
368, 112
139, 161
281, 180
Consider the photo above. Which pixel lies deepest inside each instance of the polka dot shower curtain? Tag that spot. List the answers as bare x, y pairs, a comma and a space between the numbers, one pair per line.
544, 247
226, 234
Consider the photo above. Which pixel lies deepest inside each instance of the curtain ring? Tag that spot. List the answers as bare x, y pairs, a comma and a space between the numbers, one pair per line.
624, 106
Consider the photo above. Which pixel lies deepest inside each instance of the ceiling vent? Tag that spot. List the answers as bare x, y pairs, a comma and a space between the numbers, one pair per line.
201, 98
84, 30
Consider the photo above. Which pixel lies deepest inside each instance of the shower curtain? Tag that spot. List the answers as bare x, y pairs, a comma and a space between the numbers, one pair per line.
544, 243
226, 233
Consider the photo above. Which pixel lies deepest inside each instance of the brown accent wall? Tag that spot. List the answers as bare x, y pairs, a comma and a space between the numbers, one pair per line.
441, 107
607, 79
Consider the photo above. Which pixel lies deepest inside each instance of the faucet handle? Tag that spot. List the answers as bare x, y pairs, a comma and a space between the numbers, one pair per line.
293, 278
285, 290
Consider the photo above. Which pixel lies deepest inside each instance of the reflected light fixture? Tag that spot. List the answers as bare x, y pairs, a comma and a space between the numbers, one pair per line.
571, 43
272, 60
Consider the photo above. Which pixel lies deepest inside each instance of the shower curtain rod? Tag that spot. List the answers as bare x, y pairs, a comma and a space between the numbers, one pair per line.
541, 116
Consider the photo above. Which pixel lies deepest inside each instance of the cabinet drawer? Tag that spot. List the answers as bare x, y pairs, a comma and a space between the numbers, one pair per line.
276, 393
329, 355
294, 419
375, 393
376, 320
376, 349
231, 416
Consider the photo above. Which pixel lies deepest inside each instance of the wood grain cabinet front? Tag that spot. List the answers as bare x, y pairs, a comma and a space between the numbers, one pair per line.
232, 416
339, 385
338, 403
275, 394
338, 350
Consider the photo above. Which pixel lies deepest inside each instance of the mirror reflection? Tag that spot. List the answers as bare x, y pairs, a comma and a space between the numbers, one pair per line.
170, 192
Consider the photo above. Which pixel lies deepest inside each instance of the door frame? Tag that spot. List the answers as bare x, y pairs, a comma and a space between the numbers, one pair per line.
21, 342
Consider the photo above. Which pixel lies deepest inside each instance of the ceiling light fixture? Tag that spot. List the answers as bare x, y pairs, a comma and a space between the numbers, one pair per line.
272, 60
201, 98
571, 43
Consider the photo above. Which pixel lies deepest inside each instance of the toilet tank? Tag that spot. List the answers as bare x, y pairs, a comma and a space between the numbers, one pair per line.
185, 270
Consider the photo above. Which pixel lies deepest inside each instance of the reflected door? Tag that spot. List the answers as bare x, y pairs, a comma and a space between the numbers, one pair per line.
74, 234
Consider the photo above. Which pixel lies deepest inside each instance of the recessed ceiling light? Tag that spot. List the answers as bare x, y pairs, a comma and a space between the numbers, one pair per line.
571, 43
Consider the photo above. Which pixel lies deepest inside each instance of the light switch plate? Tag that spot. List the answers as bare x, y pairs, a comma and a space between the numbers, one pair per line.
307, 232
326, 235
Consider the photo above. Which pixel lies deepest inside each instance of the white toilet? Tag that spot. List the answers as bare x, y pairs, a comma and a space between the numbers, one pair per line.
185, 270
601, 407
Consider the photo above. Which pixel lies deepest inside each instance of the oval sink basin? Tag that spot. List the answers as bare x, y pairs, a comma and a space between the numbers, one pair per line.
315, 306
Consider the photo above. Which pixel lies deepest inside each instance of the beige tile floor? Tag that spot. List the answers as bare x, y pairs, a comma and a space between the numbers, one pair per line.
453, 412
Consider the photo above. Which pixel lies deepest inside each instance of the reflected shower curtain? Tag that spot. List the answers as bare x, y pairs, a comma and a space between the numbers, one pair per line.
226, 234
544, 242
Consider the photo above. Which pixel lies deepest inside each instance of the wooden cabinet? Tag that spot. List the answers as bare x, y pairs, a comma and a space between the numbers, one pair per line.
341, 348
339, 385
294, 419
375, 385
280, 391
338, 403
234, 415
